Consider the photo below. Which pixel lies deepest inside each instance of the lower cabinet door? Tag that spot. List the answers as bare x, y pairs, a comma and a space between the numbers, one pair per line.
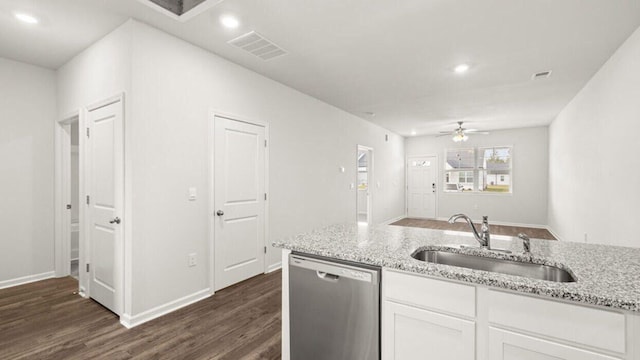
507, 345
413, 333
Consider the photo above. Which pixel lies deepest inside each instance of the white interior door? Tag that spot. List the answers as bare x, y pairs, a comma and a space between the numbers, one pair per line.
104, 143
239, 199
421, 189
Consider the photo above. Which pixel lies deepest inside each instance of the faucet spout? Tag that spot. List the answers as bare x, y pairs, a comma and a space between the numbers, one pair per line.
484, 237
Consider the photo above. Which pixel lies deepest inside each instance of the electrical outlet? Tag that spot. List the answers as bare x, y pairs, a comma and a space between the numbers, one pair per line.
192, 260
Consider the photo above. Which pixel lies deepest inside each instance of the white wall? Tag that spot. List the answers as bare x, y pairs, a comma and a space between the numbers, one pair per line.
175, 87
528, 202
171, 89
594, 166
27, 112
101, 71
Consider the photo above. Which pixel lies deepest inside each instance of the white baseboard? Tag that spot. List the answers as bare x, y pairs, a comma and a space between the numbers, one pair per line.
274, 267
129, 321
555, 234
26, 279
505, 223
391, 221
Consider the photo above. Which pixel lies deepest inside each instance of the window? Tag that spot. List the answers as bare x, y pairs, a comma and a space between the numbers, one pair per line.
486, 169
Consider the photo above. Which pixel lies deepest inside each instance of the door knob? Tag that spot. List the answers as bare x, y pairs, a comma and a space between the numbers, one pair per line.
219, 212
115, 221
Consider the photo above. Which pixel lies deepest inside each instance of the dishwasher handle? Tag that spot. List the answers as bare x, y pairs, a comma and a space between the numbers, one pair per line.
332, 271
326, 276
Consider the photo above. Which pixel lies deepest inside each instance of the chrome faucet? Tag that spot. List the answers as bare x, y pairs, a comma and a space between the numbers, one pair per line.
526, 243
484, 238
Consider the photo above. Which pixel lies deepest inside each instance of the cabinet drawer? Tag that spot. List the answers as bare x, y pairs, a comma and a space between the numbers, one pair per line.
580, 324
507, 345
429, 293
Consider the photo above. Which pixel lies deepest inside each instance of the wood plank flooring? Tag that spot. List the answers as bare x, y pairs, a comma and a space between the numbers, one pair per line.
462, 226
46, 320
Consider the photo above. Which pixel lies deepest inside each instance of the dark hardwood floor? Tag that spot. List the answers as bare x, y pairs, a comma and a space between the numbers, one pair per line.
462, 226
46, 320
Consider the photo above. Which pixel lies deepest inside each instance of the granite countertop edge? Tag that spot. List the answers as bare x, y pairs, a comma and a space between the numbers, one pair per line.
368, 246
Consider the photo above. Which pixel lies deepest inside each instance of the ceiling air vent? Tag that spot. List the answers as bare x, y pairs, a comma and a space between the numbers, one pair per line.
257, 45
541, 75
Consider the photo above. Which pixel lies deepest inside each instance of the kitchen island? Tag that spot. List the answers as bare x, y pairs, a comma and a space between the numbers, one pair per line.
464, 313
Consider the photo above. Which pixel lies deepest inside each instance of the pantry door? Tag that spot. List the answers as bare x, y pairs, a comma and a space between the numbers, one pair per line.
105, 201
239, 201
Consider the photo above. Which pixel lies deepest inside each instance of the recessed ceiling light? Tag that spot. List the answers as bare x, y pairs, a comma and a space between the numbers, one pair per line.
461, 68
229, 21
370, 113
29, 19
413, 132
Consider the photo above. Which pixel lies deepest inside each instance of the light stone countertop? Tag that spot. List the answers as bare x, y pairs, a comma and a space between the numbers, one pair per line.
606, 276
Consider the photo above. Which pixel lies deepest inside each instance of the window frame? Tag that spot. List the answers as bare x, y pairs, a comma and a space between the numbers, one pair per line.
477, 171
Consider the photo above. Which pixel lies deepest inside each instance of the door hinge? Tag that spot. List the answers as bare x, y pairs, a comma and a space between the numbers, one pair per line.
68, 206
88, 199
265, 196
87, 267
265, 143
88, 132
265, 249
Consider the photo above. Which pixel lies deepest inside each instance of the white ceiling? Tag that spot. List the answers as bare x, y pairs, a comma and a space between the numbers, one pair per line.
393, 58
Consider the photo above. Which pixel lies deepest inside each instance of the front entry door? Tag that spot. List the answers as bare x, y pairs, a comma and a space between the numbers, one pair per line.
239, 198
421, 189
104, 139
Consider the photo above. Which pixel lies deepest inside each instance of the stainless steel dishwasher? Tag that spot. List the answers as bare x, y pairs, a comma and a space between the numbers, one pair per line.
334, 309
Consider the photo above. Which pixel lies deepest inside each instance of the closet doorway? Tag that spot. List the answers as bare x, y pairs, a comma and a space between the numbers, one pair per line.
69, 195
364, 180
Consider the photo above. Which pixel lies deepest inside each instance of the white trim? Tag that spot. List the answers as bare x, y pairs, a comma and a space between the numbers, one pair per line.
274, 267
129, 321
505, 223
391, 221
554, 233
26, 279
107, 101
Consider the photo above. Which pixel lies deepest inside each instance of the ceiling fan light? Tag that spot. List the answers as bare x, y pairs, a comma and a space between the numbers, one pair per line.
460, 137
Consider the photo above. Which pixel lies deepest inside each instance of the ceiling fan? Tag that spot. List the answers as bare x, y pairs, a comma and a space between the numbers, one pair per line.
460, 134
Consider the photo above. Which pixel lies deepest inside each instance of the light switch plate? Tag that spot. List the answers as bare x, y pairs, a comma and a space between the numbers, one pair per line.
193, 193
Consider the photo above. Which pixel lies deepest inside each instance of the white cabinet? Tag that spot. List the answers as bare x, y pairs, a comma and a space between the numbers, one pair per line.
507, 345
431, 318
414, 333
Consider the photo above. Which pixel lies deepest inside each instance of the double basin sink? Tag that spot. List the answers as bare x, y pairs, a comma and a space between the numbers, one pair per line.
510, 267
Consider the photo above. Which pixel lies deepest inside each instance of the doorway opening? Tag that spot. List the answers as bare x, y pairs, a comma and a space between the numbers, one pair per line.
68, 204
74, 199
364, 164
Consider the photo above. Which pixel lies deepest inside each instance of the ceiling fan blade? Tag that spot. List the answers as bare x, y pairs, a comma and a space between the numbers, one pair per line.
441, 135
447, 132
478, 132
